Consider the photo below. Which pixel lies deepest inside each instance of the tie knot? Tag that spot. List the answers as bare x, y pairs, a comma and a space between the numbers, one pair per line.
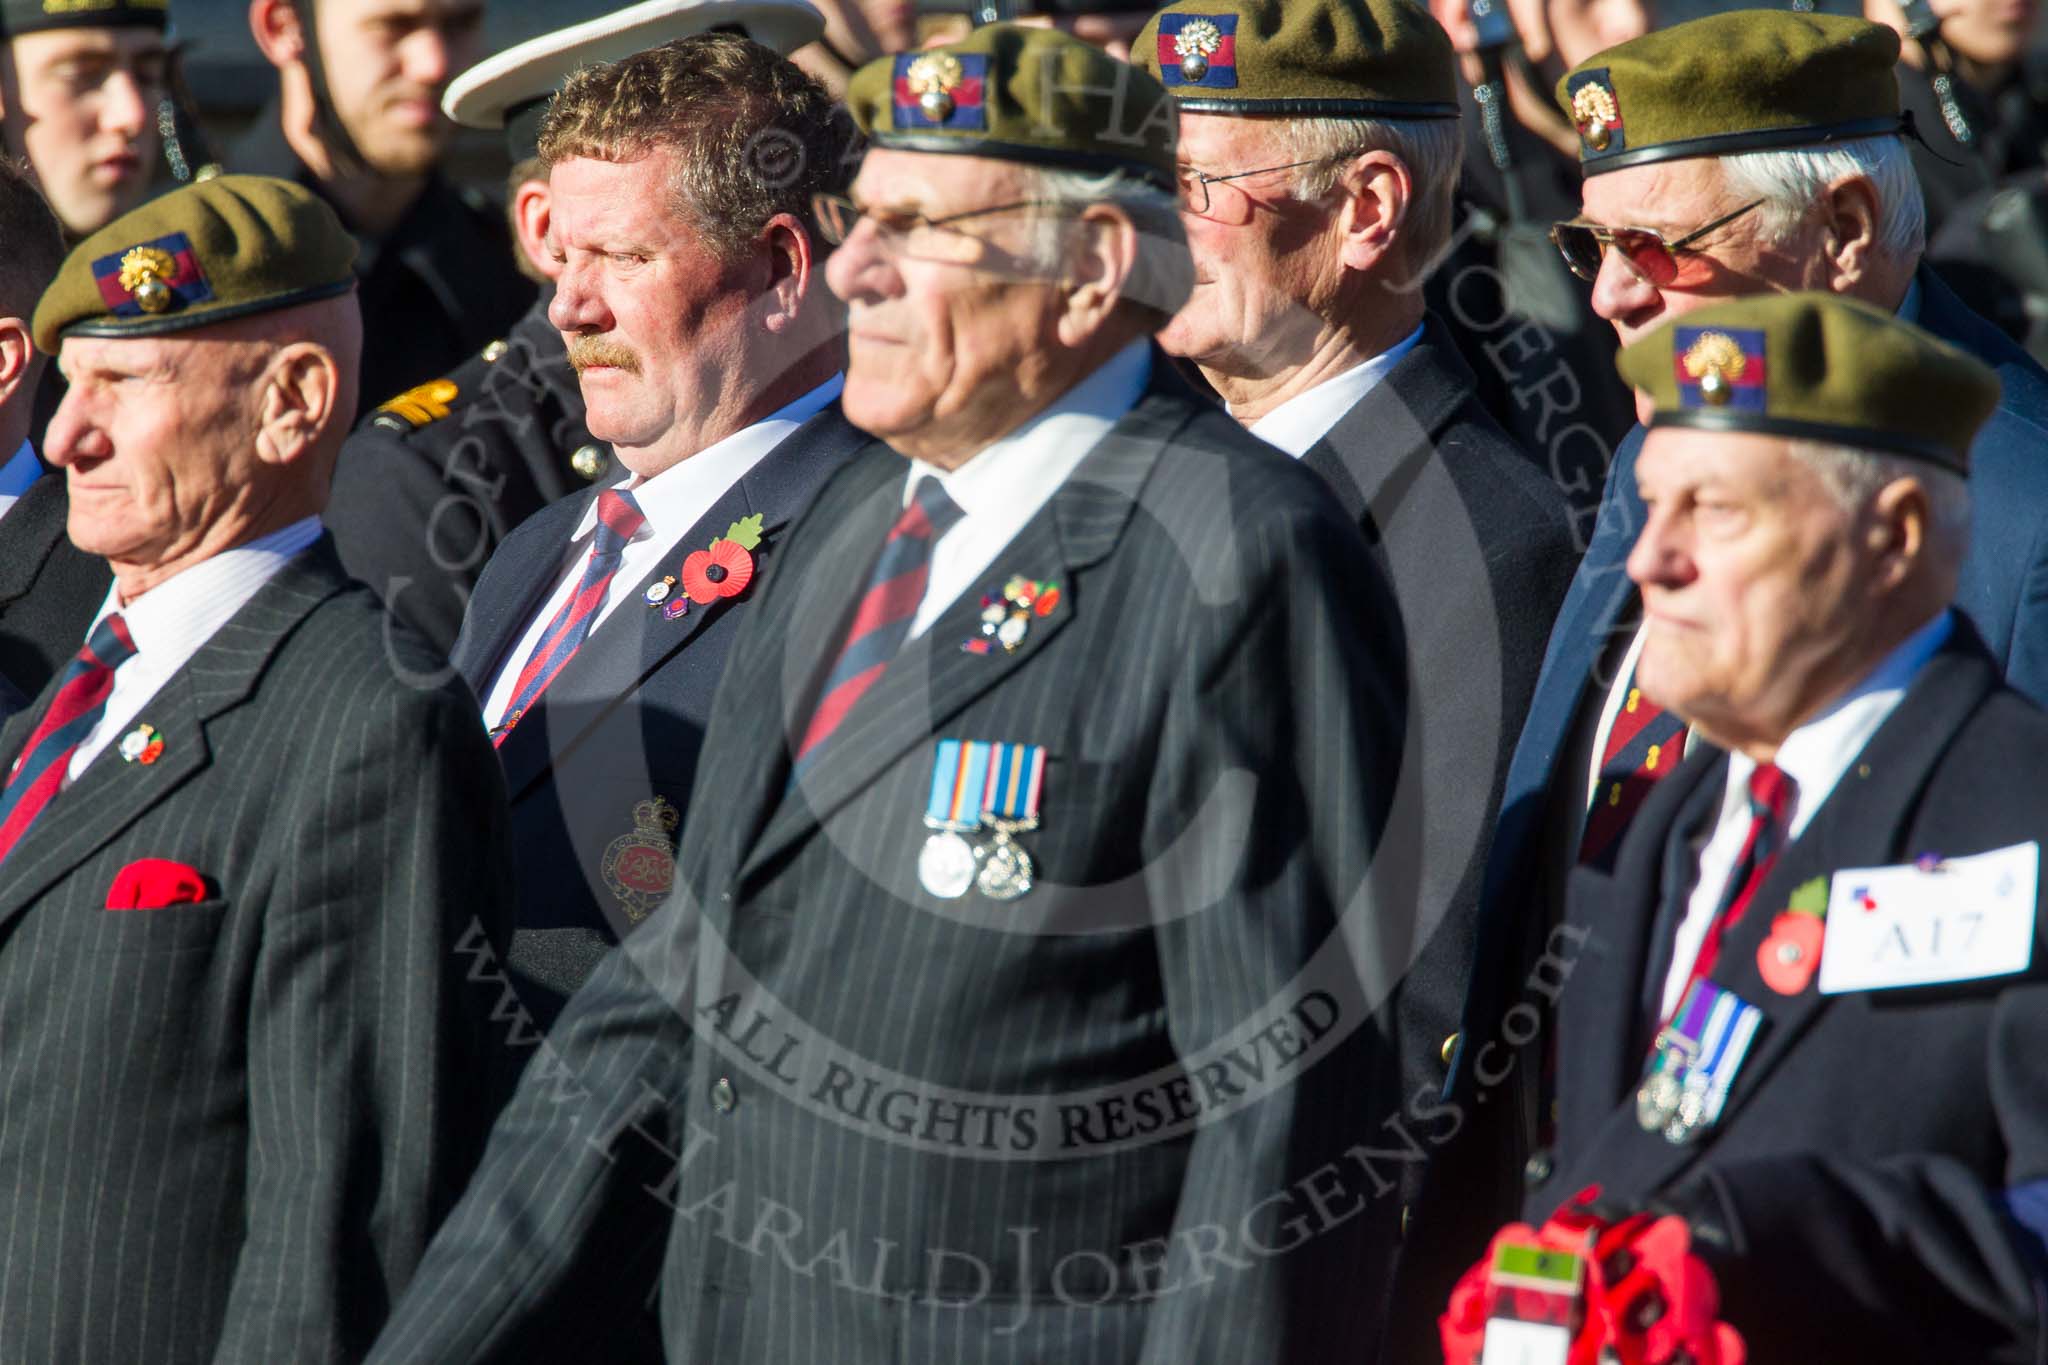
1770, 793
110, 645
619, 514
931, 513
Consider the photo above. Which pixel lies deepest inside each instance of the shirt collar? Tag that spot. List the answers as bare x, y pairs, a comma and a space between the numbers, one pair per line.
21, 470
192, 605
671, 495
1062, 433
1816, 754
1909, 306
1297, 424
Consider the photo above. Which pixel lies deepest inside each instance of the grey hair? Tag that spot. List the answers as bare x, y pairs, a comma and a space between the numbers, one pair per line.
1165, 272
1789, 182
1854, 475
1433, 150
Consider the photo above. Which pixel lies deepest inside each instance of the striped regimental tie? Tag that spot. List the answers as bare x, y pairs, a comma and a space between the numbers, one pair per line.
882, 620
80, 701
1645, 744
618, 517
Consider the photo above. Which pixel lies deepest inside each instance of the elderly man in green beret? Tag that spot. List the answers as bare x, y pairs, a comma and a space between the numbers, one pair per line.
1315, 176
1746, 153
1798, 1057
248, 860
1033, 830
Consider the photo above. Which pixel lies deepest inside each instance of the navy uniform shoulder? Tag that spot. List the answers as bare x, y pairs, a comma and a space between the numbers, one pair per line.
423, 405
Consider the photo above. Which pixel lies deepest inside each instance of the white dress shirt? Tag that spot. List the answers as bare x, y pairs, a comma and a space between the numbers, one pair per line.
1004, 486
1296, 425
1814, 756
672, 501
21, 470
173, 619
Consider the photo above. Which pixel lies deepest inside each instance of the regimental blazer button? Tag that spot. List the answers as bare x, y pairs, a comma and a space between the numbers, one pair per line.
723, 1097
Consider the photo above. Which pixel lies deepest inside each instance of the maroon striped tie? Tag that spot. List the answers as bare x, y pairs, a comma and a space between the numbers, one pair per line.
80, 701
882, 620
618, 517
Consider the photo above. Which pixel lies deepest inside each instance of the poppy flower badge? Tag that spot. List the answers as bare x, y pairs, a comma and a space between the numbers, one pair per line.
1790, 955
723, 570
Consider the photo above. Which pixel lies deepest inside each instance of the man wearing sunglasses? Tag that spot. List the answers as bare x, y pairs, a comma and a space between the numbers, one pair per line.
1316, 176
1745, 153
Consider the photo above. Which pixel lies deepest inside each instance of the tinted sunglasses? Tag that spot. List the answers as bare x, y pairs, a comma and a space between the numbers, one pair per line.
1647, 253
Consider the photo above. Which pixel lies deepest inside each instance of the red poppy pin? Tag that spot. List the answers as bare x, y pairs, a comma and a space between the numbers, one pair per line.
1790, 955
723, 570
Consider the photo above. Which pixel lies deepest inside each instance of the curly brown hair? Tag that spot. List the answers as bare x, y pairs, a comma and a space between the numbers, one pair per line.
753, 135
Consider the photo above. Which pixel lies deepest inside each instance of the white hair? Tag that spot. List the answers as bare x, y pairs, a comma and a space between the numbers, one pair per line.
1433, 150
1164, 275
1790, 181
1854, 475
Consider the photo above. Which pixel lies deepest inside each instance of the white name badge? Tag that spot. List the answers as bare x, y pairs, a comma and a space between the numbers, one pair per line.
1960, 920
1525, 1343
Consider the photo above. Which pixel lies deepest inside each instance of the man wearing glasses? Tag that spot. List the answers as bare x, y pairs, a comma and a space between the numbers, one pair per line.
1744, 153
1316, 178
1047, 771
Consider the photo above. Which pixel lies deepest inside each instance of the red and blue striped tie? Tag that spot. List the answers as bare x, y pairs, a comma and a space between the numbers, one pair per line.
618, 517
80, 701
882, 620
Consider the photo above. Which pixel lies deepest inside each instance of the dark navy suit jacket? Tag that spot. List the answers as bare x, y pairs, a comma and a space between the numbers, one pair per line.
622, 723
2004, 591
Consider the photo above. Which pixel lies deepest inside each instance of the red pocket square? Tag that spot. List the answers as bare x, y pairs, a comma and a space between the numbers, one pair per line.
153, 883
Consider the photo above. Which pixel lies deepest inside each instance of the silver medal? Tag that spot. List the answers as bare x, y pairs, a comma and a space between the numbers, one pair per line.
946, 866
1658, 1096
1007, 871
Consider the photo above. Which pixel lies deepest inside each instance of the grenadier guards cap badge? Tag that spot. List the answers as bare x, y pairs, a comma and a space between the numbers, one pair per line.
1596, 113
1721, 367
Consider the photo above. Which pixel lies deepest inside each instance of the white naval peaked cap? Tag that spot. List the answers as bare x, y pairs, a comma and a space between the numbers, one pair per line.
529, 72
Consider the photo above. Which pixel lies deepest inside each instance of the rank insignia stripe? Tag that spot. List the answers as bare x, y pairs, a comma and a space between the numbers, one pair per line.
941, 90
1198, 51
153, 277
423, 403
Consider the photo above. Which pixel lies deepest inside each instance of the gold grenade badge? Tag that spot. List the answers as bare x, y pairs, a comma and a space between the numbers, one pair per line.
1195, 44
1715, 362
933, 78
1596, 114
145, 271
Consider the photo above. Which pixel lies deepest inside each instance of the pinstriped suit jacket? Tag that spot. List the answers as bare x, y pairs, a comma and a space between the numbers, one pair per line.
802, 1028
226, 1128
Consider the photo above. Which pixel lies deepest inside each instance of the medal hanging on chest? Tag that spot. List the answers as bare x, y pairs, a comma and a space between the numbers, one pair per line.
1016, 780
1695, 1062
948, 864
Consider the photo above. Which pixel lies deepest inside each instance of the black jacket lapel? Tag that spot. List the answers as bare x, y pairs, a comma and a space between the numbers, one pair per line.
110, 795
934, 678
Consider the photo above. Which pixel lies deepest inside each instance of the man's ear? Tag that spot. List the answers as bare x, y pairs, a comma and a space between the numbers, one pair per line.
1099, 261
1852, 224
532, 205
275, 26
17, 359
299, 397
1377, 190
785, 261
1901, 525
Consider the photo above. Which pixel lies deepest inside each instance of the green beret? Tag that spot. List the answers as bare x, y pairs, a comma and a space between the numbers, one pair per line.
37, 16
206, 252
1744, 81
1302, 58
1814, 366
1033, 95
